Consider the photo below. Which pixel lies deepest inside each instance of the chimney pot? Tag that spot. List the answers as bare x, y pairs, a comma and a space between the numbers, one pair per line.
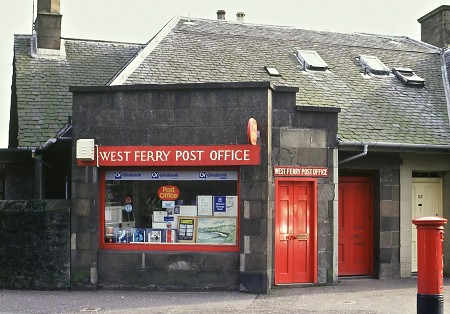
48, 24
240, 16
48, 6
221, 14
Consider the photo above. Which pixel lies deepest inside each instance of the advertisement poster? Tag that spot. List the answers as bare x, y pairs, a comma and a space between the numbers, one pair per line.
187, 229
220, 204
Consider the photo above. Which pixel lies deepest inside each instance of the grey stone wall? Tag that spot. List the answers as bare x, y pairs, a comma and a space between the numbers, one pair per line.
191, 114
184, 271
306, 136
34, 244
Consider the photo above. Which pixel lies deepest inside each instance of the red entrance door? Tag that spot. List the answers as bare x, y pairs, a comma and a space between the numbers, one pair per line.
355, 226
295, 232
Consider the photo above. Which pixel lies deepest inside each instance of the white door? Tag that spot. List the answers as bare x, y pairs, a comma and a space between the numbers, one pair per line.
426, 201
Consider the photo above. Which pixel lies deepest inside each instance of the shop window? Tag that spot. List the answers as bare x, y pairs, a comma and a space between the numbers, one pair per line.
169, 209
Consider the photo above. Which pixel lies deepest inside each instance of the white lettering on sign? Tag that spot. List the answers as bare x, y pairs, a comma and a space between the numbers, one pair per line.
148, 155
114, 156
301, 171
189, 155
228, 154
197, 155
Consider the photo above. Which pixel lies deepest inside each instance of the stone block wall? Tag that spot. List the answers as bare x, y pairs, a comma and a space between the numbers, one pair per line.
35, 244
307, 136
190, 114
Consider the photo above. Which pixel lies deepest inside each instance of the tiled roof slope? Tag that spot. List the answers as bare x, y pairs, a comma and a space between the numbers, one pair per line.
43, 98
376, 109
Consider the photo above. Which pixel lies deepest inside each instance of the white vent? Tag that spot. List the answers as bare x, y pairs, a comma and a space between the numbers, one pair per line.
85, 150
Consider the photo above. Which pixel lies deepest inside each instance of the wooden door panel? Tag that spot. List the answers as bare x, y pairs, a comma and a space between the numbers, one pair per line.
294, 245
426, 201
355, 241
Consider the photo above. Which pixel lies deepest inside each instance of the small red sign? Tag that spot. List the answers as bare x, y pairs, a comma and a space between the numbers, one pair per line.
168, 192
252, 131
297, 171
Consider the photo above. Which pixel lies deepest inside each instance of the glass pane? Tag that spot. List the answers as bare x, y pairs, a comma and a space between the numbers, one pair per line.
171, 207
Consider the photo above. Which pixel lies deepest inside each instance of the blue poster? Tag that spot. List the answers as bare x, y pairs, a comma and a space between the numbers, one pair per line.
220, 204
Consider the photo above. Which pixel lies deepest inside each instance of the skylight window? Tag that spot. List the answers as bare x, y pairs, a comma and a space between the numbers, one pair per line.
408, 77
374, 65
311, 60
272, 71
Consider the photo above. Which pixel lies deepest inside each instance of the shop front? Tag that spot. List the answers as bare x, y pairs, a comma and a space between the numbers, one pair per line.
176, 187
169, 198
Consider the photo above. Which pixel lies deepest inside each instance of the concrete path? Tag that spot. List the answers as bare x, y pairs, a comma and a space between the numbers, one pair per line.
349, 296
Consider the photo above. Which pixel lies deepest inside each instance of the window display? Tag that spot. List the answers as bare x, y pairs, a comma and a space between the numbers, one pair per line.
171, 207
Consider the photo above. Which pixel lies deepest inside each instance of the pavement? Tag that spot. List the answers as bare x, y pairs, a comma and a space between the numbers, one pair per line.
361, 295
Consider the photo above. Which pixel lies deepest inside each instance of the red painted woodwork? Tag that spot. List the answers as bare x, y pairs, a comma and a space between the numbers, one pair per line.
355, 226
295, 232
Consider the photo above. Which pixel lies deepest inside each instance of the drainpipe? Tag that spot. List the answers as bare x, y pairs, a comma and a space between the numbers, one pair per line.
446, 81
404, 146
364, 153
387, 145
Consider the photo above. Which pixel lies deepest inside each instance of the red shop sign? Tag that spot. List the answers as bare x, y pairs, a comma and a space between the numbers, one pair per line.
223, 155
168, 192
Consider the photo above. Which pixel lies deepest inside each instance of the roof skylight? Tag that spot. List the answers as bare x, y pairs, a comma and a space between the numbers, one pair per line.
408, 77
311, 60
272, 71
374, 65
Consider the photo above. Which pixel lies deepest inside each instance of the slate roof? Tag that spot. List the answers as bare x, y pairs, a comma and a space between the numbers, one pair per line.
44, 102
374, 108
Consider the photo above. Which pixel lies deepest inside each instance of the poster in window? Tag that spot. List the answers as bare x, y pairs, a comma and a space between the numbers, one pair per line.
138, 235
219, 203
216, 230
187, 229
204, 205
123, 235
231, 207
154, 236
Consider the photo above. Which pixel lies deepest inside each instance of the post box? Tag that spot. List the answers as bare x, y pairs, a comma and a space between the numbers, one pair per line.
430, 273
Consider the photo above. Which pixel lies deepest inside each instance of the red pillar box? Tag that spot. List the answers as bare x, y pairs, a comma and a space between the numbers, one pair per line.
430, 273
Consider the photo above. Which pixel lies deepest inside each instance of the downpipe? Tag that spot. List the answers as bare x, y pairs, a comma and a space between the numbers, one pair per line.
364, 153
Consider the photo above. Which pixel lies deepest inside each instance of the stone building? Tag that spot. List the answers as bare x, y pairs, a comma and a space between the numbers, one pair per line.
355, 124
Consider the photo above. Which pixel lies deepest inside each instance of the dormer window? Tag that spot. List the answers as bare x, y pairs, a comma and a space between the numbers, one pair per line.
408, 77
311, 60
373, 65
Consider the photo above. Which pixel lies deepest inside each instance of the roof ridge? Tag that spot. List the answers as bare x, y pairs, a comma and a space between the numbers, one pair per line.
102, 41
84, 39
241, 35
134, 62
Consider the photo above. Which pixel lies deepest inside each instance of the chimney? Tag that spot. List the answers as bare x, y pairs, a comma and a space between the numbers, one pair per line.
221, 14
48, 24
434, 27
240, 16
